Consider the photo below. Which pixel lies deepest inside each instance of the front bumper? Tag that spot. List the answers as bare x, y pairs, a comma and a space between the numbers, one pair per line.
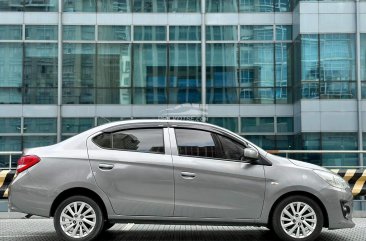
339, 206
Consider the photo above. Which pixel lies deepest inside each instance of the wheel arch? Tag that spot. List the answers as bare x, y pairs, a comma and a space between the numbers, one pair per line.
300, 193
78, 191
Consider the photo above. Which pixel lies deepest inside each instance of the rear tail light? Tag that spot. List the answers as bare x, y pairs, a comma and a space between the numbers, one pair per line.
26, 162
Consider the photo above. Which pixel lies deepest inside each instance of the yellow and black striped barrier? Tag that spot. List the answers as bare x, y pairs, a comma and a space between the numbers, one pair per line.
356, 179
6, 177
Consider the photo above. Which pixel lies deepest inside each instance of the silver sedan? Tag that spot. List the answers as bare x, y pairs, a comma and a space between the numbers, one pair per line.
165, 171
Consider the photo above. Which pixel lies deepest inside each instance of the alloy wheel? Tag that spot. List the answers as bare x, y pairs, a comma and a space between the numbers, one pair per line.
298, 220
78, 219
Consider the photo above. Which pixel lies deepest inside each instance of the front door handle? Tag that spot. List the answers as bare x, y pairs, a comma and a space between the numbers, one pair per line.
188, 175
105, 167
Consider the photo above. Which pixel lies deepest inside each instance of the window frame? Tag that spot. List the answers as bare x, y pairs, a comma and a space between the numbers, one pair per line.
128, 129
215, 135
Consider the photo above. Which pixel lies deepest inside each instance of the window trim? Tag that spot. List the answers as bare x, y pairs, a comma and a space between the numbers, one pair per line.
214, 136
127, 150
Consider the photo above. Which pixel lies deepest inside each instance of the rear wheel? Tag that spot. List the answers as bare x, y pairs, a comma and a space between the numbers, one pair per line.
78, 218
297, 218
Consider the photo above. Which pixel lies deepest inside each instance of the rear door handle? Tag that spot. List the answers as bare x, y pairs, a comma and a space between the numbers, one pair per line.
105, 167
188, 175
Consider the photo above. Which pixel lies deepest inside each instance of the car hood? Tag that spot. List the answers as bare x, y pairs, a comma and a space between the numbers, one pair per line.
308, 165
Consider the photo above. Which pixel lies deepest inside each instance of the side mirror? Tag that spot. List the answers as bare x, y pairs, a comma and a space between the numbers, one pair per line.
250, 154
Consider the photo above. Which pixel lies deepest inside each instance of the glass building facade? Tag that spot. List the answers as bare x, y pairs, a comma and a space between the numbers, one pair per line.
285, 74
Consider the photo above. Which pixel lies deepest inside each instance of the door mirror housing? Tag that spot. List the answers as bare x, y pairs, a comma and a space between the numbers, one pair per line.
250, 154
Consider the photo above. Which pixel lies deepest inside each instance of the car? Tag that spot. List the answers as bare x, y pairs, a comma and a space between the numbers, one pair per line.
175, 172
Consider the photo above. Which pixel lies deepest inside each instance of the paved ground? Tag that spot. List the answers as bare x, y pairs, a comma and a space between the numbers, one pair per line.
42, 230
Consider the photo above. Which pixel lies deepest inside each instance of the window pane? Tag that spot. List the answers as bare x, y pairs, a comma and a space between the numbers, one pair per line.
40, 6
76, 125
79, 6
150, 95
185, 73
10, 125
337, 57
140, 140
78, 65
114, 6
10, 143
184, 6
230, 123
283, 5
149, 33
114, 33
231, 149
150, 6
114, 95
309, 66
78, 32
103, 140
41, 32
40, 125
265, 142
10, 32
256, 32
114, 73
221, 6
284, 32
256, 6
220, 33
197, 143
37, 141
10, 95
221, 71
283, 72
39, 95
78, 95
256, 72
337, 63
11, 65
363, 56
257, 124
185, 33
40, 65
285, 124
8, 5
150, 70
339, 141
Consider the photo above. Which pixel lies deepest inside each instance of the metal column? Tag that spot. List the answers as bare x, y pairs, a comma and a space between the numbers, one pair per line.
358, 79
203, 59
59, 71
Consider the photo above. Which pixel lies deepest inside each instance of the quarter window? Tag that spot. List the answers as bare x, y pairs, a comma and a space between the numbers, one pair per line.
140, 140
231, 149
197, 143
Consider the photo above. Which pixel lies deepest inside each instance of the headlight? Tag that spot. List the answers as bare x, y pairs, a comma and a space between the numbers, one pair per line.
332, 179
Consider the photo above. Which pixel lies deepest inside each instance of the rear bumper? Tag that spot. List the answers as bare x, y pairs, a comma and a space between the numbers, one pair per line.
339, 206
24, 198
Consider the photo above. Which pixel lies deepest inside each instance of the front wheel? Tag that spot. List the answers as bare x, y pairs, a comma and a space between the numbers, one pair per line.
297, 218
78, 218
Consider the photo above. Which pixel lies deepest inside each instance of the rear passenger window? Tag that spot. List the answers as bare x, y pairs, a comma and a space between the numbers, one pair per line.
197, 143
140, 140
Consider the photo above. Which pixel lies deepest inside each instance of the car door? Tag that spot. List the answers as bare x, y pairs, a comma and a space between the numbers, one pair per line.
211, 181
134, 168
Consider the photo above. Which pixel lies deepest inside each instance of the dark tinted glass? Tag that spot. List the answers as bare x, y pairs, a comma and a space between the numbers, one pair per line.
141, 140
231, 149
197, 143
103, 140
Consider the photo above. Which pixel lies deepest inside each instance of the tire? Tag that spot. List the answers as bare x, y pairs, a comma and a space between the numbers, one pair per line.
305, 226
94, 219
107, 225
